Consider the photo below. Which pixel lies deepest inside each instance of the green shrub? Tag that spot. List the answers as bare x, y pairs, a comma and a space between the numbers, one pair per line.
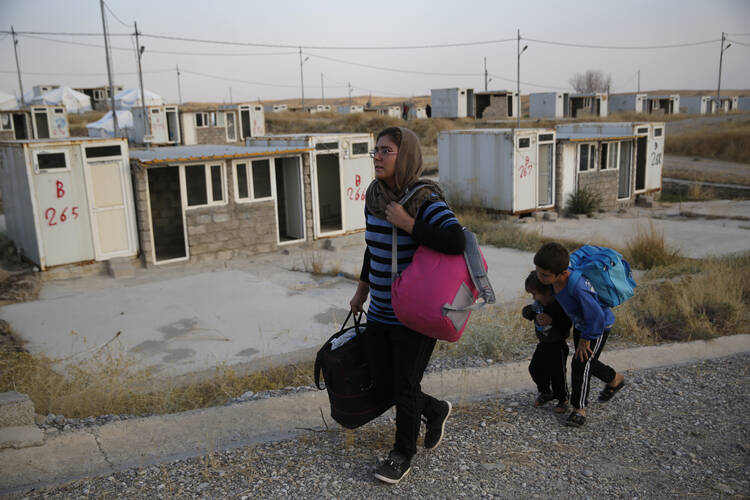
584, 201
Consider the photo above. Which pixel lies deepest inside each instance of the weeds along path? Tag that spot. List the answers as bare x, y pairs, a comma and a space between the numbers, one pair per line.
708, 170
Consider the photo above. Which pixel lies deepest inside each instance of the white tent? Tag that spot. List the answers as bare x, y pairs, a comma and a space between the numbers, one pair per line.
105, 127
7, 101
74, 101
130, 98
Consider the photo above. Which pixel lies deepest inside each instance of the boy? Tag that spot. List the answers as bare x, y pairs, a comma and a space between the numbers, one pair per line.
552, 327
592, 323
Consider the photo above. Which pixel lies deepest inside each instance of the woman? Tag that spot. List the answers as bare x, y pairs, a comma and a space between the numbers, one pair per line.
398, 354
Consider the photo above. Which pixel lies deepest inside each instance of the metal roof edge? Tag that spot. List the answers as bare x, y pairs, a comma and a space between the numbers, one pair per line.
221, 157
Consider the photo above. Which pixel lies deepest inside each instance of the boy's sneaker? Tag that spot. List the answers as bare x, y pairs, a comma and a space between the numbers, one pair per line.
561, 406
394, 468
436, 428
543, 398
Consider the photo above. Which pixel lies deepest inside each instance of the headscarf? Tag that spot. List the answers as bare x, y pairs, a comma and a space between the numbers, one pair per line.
408, 170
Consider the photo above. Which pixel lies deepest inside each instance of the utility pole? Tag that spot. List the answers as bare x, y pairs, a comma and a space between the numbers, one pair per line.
146, 121
485, 74
301, 79
350, 92
18, 67
721, 57
230, 96
109, 71
322, 90
179, 89
639, 81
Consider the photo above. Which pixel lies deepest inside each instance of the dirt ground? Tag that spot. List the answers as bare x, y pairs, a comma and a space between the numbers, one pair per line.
692, 168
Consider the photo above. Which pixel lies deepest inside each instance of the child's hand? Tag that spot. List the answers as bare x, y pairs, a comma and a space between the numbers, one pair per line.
543, 319
583, 351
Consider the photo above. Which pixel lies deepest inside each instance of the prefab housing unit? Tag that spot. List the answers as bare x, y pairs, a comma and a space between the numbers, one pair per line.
209, 126
628, 102
34, 122
696, 104
99, 96
616, 160
594, 104
506, 170
252, 120
663, 104
452, 103
391, 111
68, 201
340, 171
417, 112
354, 108
275, 108
496, 104
743, 103
566, 105
163, 126
318, 108
725, 104
218, 202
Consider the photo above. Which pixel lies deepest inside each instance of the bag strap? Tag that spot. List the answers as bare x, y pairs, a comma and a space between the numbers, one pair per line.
575, 275
318, 367
394, 233
478, 273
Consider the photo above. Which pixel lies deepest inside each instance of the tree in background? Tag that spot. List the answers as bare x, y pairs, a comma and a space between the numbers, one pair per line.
591, 81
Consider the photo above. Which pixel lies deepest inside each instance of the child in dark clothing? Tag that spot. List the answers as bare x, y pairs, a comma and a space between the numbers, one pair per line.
592, 322
552, 327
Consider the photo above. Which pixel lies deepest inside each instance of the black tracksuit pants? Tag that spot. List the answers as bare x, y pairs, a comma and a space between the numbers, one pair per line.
547, 368
399, 357
581, 372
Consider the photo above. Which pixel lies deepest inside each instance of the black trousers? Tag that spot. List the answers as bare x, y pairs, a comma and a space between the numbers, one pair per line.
399, 357
581, 372
547, 368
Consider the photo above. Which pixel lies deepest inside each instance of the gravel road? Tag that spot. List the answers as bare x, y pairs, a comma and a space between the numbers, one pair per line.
674, 432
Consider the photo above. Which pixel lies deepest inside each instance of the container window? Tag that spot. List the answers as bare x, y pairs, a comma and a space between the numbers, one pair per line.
261, 179
524, 143
586, 157
155, 111
217, 183
51, 161
242, 191
642, 130
201, 120
325, 146
231, 127
657, 132
546, 137
103, 151
195, 185
360, 148
59, 110
5, 122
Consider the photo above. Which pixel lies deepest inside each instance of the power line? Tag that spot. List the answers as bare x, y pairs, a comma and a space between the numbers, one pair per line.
170, 52
513, 80
621, 47
66, 33
225, 79
390, 69
84, 74
115, 15
738, 43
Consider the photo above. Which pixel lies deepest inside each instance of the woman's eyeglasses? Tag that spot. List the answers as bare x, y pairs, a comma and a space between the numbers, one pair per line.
383, 151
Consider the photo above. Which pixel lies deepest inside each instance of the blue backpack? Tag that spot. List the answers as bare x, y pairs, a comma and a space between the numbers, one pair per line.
607, 272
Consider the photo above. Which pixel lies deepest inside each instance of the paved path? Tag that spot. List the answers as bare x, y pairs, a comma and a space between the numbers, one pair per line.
672, 432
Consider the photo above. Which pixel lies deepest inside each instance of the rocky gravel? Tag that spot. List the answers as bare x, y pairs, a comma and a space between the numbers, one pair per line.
678, 432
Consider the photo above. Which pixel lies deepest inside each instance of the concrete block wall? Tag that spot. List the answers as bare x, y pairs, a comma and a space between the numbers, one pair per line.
603, 182
307, 176
211, 135
498, 108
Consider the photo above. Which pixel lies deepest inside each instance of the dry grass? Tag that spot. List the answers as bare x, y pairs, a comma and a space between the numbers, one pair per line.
648, 249
729, 141
694, 192
713, 302
110, 381
707, 174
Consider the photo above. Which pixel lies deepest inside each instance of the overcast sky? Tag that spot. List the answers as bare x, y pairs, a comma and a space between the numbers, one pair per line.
387, 23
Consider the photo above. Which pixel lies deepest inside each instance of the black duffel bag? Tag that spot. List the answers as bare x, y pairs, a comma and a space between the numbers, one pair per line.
354, 396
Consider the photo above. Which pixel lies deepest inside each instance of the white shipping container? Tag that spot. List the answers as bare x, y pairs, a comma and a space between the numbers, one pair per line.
508, 170
68, 201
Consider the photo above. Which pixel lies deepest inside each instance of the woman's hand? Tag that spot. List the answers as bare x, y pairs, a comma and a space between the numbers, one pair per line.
360, 296
396, 215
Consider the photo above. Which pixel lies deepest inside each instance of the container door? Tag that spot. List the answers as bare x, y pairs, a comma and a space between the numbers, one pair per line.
641, 158
58, 123
545, 181
158, 126
173, 126
258, 127
327, 193
357, 173
524, 172
655, 158
110, 213
62, 207
625, 179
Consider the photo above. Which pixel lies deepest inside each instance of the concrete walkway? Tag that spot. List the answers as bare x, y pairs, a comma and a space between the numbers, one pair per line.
139, 442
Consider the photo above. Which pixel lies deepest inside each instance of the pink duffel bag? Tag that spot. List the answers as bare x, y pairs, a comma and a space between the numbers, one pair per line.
435, 294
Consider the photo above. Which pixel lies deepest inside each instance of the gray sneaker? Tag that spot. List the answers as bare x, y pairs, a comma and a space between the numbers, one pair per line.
436, 427
394, 468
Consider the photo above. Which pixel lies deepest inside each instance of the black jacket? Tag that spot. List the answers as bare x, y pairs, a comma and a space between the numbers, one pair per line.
560, 322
